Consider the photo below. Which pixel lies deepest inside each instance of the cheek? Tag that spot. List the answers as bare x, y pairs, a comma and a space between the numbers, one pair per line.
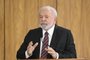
51, 20
40, 20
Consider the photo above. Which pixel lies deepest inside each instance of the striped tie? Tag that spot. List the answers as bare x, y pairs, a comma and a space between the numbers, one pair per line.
45, 45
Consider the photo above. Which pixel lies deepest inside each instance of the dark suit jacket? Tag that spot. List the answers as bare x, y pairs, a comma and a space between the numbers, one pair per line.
62, 42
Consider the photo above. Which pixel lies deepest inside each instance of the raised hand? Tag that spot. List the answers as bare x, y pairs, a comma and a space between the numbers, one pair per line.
31, 47
52, 52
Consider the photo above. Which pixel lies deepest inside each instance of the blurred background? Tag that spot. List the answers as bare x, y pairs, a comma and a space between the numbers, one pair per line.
17, 17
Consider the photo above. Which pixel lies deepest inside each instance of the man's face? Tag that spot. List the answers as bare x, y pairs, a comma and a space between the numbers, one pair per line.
47, 19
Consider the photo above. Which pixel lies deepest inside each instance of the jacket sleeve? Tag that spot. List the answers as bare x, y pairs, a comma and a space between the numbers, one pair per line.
69, 51
21, 52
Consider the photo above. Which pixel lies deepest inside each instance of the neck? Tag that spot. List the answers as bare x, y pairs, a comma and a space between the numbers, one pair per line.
49, 28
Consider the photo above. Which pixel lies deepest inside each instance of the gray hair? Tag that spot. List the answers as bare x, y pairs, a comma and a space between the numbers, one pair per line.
53, 10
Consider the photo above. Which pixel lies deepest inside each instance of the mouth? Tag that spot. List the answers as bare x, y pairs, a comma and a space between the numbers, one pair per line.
43, 24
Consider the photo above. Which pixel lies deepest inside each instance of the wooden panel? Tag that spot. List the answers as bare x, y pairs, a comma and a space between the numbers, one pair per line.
86, 19
76, 26
10, 32
31, 14
47, 2
74, 14
20, 16
1, 29
63, 9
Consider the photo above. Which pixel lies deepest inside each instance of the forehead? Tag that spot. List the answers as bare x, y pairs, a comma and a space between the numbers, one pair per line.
45, 12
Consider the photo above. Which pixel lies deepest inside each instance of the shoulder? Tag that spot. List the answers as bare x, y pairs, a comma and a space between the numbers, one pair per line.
35, 30
61, 29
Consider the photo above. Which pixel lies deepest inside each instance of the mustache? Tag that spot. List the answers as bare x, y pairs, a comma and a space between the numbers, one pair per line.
43, 23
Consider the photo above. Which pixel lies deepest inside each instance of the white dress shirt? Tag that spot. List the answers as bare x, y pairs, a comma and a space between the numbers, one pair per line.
50, 33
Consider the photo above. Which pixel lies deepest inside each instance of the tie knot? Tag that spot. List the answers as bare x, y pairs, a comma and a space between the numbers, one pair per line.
46, 33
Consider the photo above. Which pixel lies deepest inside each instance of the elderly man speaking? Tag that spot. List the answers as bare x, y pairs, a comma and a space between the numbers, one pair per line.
49, 41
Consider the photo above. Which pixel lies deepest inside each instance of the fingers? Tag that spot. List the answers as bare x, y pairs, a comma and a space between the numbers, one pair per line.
50, 50
35, 45
31, 45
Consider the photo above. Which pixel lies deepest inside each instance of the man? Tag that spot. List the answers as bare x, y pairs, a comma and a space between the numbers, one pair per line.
59, 41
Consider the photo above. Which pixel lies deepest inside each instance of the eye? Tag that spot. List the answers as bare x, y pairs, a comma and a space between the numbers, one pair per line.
40, 16
46, 16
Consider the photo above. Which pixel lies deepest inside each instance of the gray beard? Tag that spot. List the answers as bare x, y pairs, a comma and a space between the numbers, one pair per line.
46, 27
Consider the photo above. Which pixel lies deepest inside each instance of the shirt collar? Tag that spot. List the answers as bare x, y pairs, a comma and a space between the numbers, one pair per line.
50, 31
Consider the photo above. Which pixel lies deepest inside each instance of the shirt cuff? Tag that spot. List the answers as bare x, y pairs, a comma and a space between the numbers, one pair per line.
57, 56
27, 55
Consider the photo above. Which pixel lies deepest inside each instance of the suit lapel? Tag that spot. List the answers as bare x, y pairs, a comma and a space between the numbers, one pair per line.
37, 51
40, 33
53, 40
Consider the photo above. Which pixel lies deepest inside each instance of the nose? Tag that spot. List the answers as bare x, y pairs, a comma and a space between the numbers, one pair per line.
43, 19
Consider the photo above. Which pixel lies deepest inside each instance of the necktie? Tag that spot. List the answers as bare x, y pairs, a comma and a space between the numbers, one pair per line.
45, 45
